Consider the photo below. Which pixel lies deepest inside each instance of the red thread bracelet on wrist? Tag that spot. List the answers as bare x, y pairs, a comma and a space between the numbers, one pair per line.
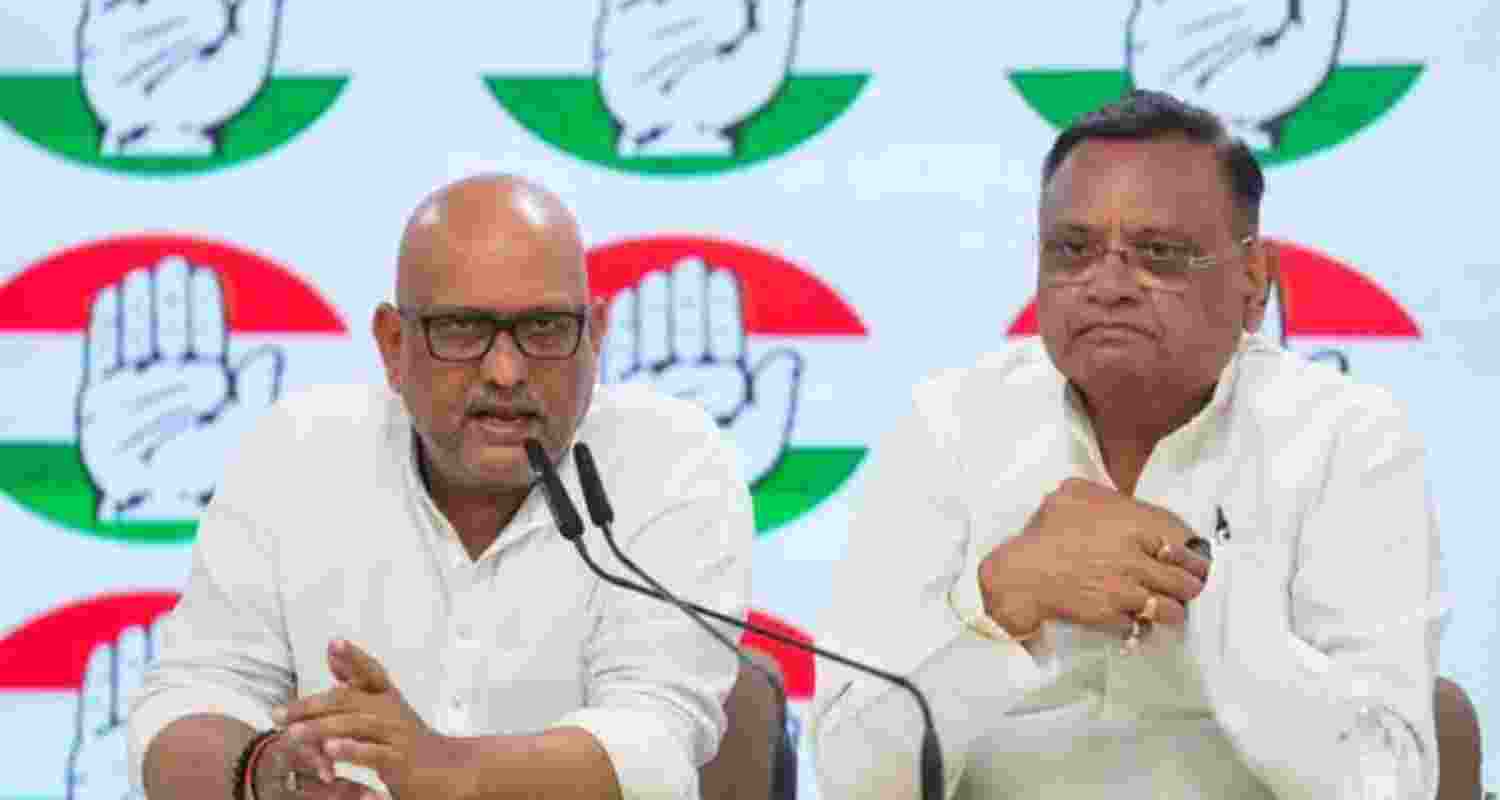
253, 761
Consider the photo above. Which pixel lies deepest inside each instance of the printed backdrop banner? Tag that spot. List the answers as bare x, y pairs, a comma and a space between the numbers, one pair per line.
206, 198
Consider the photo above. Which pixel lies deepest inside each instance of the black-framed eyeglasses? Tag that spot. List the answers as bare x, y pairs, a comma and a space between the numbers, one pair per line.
468, 334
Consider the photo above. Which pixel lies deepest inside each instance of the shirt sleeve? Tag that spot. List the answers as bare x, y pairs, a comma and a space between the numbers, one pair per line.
223, 648
1359, 662
902, 602
656, 681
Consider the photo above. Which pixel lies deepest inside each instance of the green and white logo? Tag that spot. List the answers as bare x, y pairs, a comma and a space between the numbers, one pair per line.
681, 87
1270, 68
166, 88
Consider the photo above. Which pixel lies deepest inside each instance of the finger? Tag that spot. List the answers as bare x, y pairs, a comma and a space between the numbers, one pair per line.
336, 789
364, 671
207, 324
376, 756
333, 701
1182, 556
359, 725
131, 662
257, 376
726, 320
654, 305
136, 323
305, 756
1168, 579
172, 308
689, 309
101, 348
622, 339
96, 697
1163, 610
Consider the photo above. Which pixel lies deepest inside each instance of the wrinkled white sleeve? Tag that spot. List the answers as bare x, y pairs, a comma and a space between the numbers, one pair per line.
1365, 622
223, 648
656, 681
900, 602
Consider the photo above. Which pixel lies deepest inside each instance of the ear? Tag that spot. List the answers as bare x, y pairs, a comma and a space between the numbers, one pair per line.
385, 326
598, 323
1262, 271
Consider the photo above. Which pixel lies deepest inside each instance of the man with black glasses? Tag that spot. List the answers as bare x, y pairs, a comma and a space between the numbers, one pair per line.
379, 601
1149, 553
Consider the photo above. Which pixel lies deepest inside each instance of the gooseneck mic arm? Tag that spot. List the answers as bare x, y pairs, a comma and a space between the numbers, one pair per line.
565, 514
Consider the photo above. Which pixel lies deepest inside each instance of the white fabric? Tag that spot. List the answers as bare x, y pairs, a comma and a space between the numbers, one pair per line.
322, 529
1324, 587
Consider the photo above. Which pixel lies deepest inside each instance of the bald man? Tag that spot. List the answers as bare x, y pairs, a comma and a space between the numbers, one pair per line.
380, 603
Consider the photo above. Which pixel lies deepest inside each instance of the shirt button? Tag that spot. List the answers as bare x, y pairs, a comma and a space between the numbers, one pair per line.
457, 702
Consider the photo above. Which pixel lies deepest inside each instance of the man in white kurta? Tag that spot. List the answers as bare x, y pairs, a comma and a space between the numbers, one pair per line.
1306, 644
380, 599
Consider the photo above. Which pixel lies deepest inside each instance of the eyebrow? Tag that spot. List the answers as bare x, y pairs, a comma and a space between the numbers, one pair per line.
1130, 233
489, 312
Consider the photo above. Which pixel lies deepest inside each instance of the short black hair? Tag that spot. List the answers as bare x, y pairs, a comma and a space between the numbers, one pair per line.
1142, 115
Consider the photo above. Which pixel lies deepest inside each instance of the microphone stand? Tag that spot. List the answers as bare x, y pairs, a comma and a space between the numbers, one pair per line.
565, 514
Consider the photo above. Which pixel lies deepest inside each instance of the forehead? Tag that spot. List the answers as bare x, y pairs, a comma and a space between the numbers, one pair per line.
503, 268
1169, 183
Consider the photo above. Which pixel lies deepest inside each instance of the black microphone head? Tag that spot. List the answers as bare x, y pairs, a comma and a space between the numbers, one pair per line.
564, 513
594, 498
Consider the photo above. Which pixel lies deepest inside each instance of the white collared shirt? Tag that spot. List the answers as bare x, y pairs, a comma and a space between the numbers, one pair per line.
1325, 567
322, 528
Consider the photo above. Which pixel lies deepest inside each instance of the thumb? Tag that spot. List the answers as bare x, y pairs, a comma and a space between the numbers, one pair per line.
777, 20
357, 668
256, 378
764, 425
256, 26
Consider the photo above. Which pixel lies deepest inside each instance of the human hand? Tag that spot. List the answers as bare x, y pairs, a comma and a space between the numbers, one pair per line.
1250, 61
678, 75
366, 721
160, 405
98, 762
161, 76
1093, 557
683, 331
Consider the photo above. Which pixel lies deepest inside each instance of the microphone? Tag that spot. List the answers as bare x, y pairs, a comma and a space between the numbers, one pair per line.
565, 513
784, 776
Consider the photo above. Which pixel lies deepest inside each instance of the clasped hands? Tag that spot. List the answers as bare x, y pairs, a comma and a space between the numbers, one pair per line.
1097, 558
364, 720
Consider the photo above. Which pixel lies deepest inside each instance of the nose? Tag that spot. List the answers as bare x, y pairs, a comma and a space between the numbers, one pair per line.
1114, 280
504, 364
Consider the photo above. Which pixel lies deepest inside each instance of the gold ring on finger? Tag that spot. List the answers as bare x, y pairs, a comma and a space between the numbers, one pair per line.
1164, 552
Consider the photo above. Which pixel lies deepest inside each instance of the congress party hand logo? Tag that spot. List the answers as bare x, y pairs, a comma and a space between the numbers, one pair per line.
1252, 63
761, 344
161, 404
679, 75
163, 76
67, 677
683, 331
98, 762
160, 88
146, 359
1279, 71
682, 87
